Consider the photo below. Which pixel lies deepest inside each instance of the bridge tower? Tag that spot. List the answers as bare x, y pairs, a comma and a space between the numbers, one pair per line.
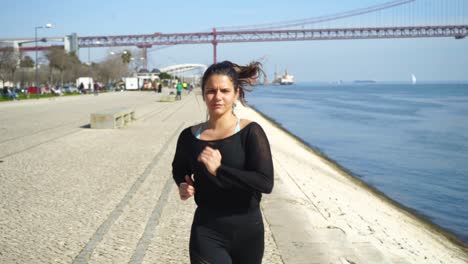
145, 54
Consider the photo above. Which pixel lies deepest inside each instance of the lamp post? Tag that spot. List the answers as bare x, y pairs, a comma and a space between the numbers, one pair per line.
48, 25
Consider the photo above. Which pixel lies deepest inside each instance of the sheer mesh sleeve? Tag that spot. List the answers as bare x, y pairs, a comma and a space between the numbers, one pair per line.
181, 164
258, 173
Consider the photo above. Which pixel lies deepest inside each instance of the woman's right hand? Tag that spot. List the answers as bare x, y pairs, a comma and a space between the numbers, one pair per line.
186, 189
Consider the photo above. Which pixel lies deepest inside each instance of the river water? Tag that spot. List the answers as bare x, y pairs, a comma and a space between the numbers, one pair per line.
408, 141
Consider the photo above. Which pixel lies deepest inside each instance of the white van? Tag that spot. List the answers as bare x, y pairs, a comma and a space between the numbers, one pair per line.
131, 83
86, 81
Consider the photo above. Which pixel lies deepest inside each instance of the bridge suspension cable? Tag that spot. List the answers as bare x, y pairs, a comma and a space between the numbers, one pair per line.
320, 19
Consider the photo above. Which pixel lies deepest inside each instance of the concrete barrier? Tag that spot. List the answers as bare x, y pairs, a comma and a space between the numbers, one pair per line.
167, 98
113, 118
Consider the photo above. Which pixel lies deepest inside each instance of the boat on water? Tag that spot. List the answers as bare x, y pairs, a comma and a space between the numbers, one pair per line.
285, 79
413, 79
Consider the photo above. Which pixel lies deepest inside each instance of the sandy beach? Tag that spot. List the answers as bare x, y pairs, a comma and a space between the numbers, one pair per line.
70, 194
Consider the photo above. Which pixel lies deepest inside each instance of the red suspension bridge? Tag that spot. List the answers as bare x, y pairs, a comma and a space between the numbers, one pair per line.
393, 19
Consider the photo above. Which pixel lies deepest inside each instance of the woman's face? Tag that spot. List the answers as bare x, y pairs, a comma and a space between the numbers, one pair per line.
219, 94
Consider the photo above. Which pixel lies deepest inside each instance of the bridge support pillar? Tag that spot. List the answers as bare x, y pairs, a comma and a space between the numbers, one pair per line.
145, 58
214, 45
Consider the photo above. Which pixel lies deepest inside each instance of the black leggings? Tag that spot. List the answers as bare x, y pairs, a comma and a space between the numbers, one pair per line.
227, 239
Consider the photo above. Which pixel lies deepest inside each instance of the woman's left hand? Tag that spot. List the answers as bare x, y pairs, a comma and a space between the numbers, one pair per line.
211, 158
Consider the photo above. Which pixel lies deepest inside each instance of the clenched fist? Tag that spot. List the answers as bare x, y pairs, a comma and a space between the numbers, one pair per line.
186, 189
211, 158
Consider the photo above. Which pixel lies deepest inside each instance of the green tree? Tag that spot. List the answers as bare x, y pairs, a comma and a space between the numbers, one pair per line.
126, 56
61, 61
111, 70
27, 62
8, 63
165, 75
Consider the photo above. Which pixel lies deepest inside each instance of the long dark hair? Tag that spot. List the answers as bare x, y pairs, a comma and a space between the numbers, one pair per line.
241, 76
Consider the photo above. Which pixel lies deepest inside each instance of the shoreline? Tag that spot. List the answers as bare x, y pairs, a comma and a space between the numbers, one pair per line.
412, 213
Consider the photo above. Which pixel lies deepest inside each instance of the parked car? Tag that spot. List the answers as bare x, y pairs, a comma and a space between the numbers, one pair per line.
33, 90
70, 89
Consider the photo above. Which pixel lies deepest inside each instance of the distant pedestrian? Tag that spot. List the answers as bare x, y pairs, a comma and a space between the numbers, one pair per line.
96, 89
155, 86
12, 94
159, 87
81, 88
179, 88
190, 88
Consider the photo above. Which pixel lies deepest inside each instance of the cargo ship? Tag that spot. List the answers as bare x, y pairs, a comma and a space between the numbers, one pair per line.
285, 79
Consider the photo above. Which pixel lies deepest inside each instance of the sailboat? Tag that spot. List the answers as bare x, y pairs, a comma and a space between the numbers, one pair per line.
413, 79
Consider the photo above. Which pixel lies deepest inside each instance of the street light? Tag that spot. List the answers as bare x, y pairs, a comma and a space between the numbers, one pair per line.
48, 25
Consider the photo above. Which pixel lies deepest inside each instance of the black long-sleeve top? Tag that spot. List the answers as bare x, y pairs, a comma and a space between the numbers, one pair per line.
246, 169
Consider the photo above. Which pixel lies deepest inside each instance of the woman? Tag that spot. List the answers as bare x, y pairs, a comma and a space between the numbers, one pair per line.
230, 161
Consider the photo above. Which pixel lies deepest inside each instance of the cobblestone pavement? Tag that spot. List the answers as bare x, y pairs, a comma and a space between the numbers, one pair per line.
70, 194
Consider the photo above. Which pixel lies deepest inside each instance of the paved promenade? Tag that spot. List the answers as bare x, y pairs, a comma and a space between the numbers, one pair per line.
71, 194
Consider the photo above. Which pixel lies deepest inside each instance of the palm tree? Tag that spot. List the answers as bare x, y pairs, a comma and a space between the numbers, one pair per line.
126, 56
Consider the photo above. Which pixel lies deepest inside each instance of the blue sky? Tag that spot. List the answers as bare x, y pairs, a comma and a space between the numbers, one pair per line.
382, 60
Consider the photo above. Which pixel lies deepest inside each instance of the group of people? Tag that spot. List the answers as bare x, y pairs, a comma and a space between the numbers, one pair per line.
225, 163
155, 84
96, 88
10, 93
